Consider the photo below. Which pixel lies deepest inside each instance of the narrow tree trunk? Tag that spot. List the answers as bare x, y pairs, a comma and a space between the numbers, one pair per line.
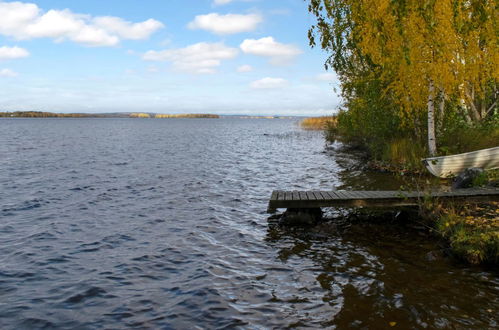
464, 111
441, 112
483, 109
474, 113
432, 146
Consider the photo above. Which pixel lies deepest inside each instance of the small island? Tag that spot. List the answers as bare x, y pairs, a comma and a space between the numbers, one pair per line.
187, 115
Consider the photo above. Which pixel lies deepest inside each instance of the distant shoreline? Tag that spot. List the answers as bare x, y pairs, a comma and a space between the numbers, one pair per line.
42, 114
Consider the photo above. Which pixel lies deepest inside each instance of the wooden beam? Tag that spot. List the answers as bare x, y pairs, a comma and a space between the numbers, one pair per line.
317, 199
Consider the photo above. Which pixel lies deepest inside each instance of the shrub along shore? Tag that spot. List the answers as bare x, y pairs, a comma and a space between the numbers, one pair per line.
472, 230
418, 79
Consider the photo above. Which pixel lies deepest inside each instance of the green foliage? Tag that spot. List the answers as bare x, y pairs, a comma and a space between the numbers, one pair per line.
458, 136
480, 180
371, 119
472, 238
385, 54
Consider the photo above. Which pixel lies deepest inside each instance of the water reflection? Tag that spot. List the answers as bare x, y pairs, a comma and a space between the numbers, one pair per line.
378, 274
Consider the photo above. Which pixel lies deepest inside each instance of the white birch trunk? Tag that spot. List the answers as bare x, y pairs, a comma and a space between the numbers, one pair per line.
441, 112
432, 146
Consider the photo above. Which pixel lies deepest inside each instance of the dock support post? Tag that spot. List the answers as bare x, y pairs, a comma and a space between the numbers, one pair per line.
301, 217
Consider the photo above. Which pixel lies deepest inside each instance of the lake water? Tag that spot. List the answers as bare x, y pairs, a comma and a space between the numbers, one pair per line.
119, 223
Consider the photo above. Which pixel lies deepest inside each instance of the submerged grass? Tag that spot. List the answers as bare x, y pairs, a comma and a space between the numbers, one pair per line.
472, 231
319, 123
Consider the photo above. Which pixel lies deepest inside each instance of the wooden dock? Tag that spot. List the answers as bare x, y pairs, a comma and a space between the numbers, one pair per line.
342, 198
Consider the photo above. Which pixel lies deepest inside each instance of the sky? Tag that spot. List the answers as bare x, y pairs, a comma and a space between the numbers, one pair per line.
164, 56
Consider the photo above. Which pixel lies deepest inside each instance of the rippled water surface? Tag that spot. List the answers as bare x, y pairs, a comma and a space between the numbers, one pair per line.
118, 223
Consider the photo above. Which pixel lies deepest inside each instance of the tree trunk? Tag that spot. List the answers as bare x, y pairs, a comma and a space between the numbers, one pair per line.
474, 113
432, 146
441, 112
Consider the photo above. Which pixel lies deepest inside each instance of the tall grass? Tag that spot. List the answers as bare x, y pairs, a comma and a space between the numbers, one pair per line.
472, 237
403, 152
319, 123
140, 115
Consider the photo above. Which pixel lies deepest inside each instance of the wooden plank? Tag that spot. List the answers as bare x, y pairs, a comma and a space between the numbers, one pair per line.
341, 194
312, 199
352, 194
310, 196
318, 195
333, 194
385, 194
380, 194
325, 195
367, 194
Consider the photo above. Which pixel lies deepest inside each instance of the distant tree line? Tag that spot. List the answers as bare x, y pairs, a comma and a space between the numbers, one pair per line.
42, 114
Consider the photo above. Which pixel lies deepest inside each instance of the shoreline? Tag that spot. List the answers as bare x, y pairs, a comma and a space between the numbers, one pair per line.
470, 231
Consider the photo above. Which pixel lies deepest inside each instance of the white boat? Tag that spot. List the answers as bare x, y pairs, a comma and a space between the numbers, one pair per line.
449, 166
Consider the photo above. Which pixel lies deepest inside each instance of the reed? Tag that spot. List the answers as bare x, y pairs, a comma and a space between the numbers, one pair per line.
319, 123
140, 115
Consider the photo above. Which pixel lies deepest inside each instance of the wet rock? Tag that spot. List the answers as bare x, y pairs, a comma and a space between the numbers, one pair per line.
465, 179
301, 217
434, 256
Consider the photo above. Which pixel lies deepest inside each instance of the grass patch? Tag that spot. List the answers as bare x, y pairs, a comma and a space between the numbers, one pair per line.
319, 123
471, 230
403, 153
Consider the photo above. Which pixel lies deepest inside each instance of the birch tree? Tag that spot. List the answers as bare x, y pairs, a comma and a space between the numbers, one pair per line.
425, 49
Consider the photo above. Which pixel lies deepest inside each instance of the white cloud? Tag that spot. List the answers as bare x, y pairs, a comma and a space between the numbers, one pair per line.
27, 21
269, 83
10, 53
277, 52
328, 76
152, 69
8, 73
245, 68
221, 2
198, 58
128, 30
226, 24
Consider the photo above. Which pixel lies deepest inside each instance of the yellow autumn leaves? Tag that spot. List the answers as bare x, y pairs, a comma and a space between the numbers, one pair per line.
448, 42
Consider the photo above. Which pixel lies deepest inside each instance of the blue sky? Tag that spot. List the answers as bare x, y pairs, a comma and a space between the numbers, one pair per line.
164, 56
